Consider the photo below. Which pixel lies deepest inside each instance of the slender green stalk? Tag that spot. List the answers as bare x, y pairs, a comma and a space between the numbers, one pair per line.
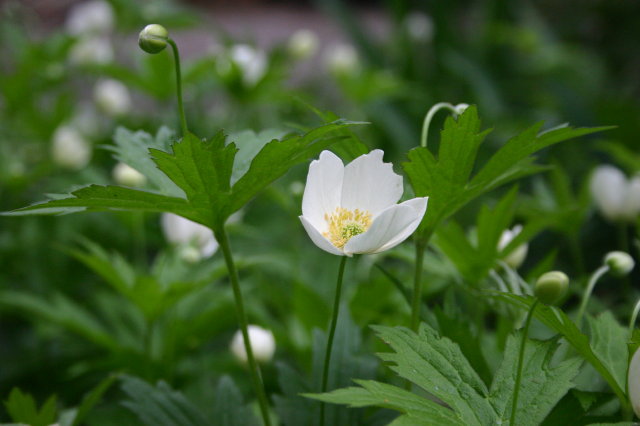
221, 235
587, 292
516, 389
427, 120
332, 332
176, 56
634, 317
417, 286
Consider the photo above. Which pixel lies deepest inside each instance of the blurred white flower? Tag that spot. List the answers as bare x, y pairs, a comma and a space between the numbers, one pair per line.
262, 343
419, 26
352, 209
112, 97
69, 148
303, 43
184, 232
90, 17
342, 59
633, 381
87, 121
617, 197
126, 175
517, 255
252, 62
91, 51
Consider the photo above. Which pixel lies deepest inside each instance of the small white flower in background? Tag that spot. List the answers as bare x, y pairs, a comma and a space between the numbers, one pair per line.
91, 51
633, 381
126, 175
419, 26
303, 43
342, 59
178, 230
252, 62
352, 209
617, 197
87, 121
90, 17
112, 97
262, 343
517, 255
69, 148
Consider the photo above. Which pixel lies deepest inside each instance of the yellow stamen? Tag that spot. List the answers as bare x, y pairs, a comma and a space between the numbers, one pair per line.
344, 224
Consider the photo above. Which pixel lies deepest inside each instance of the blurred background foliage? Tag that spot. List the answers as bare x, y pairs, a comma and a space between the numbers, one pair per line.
85, 296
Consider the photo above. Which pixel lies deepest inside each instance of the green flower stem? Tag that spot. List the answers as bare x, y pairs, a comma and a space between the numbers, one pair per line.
417, 286
332, 332
427, 120
587, 292
222, 238
634, 317
176, 56
516, 389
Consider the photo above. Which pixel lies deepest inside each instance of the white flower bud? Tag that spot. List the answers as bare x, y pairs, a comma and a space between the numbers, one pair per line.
112, 97
262, 343
517, 255
460, 108
153, 38
633, 381
617, 198
190, 254
419, 26
91, 51
69, 148
619, 262
296, 188
178, 230
303, 43
342, 59
251, 62
95, 16
126, 175
551, 287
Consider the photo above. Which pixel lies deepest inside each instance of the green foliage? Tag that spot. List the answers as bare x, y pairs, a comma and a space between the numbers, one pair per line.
609, 341
22, 409
229, 409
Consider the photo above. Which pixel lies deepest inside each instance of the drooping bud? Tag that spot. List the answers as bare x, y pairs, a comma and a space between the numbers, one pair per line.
262, 343
551, 287
153, 38
126, 175
619, 262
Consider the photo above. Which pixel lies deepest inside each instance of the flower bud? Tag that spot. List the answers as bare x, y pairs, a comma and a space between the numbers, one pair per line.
91, 17
126, 175
342, 59
303, 43
633, 380
69, 148
551, 287
153, 38
460, 108
262, 343
619, 262
112, 97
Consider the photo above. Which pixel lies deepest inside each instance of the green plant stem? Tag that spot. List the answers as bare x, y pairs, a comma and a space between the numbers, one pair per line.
332, 332
634, 317
587, 292
176, 56
427, 120
417, 286
222, 238
516, 389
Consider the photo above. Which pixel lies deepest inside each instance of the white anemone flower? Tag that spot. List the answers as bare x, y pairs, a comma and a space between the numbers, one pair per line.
262, 341
95, 16
342, 59
303, 43
189, 234
617, 197
634, 382
251, 61
91, 51
69, 148
352, 209
112, 97
517, 255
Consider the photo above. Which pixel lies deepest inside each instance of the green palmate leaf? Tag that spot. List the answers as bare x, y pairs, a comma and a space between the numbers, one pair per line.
249, 144
437, 365
558, 321
22, 409
609, 342
447, 179
160, 405
542, 385
229, 409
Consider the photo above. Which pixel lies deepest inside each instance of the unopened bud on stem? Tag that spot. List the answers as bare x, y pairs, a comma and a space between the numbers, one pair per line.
619, 262
153, 38
551, 287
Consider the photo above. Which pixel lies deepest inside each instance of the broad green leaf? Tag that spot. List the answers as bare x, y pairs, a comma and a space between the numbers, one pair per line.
22, 409
609, 342
92, 398
228, 408
437, 365
542, 385
160, 405
249, 144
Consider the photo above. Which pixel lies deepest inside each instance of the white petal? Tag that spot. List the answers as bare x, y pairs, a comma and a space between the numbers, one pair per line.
631, 203
369, 184
323, 189
318, 239
608, 187
634, 382
210, 247
390, 228
179, 230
